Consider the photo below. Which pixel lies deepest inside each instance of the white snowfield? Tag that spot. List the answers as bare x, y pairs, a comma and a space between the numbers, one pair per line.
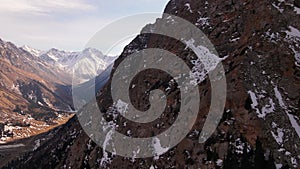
90, 62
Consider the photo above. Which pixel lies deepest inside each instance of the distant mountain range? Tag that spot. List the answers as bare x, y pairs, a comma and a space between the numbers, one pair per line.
35, 86
94, 61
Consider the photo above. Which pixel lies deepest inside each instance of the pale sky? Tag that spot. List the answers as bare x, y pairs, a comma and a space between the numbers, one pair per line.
64, 24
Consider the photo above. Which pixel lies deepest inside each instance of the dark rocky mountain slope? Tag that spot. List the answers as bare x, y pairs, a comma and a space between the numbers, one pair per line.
259, 41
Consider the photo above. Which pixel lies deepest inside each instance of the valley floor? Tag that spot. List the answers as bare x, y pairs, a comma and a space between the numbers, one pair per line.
13, 148
35, 128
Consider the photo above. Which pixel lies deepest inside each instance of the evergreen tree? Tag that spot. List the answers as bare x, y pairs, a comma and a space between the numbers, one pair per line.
230, 161
259, 159
271, 162
246, 159
286, 166
215, 155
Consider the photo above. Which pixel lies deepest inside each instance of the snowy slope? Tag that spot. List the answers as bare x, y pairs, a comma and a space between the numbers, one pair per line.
89, 63
34, 52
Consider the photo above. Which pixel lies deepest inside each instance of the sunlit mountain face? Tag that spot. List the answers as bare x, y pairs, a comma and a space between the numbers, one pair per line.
36, 88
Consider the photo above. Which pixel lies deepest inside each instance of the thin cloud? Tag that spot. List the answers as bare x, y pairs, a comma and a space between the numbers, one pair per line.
64, 24
44, 7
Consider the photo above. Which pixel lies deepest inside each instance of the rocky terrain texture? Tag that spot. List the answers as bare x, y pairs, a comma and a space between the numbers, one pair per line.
259, 44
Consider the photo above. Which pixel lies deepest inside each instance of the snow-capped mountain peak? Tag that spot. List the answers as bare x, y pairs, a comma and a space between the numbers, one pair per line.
90, 62
34, 52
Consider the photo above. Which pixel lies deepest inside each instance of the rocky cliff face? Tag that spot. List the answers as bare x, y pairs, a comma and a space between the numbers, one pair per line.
259, 44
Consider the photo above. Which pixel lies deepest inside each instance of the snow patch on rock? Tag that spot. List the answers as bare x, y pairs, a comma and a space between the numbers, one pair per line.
205, 62
278, 134
188, 7
158, 149
291, 117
